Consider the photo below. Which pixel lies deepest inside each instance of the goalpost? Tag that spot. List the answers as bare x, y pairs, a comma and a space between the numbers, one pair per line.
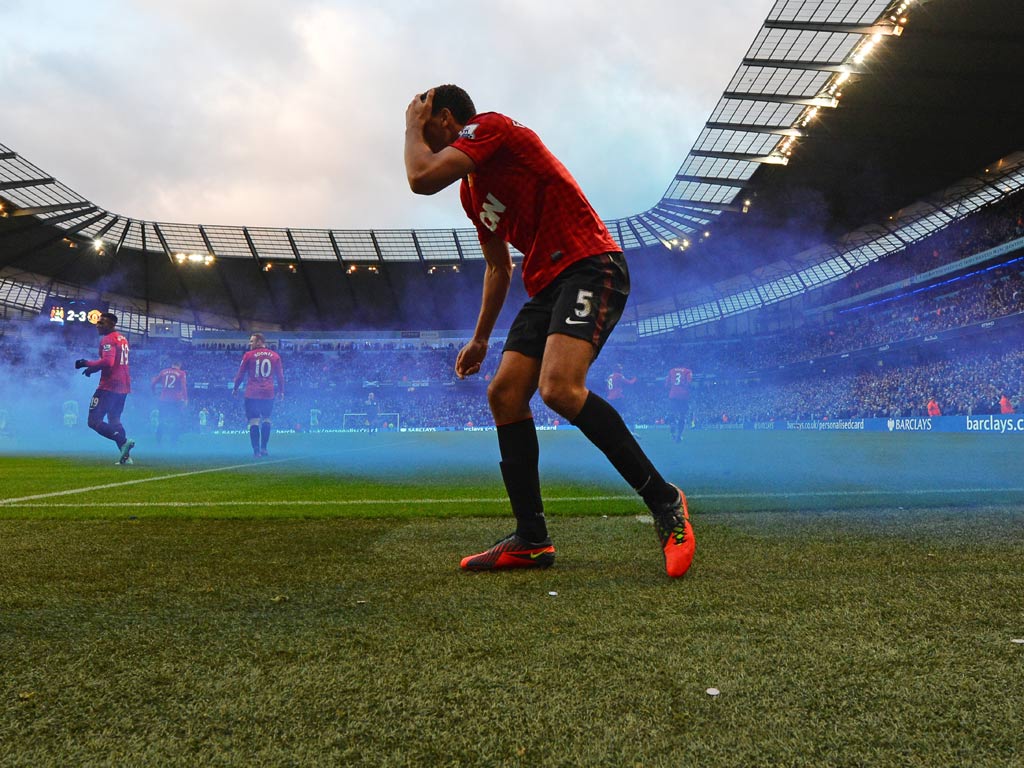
361, 422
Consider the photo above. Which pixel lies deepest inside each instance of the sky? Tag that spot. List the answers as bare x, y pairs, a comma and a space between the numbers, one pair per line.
292, 113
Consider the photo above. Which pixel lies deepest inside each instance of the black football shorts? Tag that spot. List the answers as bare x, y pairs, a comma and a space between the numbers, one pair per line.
106, 403
259, 408
586, 300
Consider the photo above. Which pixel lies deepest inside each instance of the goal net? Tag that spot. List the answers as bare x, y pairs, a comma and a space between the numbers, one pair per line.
363, 422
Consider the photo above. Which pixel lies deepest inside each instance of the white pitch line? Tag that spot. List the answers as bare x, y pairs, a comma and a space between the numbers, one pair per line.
306, 503
6, 502
72, 491
489, 500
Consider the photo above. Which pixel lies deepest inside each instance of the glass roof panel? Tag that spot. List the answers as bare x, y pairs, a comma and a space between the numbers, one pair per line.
469, 243
673, 222
271, 243
845, 11
437, 244
629, 239
666, 234
133, 238
152, 242
183, 238
313, 245
396, 245
356, 245
228, 242
112, 235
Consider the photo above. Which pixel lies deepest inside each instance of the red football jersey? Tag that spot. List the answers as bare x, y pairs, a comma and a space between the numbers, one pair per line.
616, 388
261, 367
521, 193
113, 364
678, 383
173, 383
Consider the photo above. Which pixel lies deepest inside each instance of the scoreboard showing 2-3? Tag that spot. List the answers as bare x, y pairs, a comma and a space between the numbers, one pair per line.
73, 315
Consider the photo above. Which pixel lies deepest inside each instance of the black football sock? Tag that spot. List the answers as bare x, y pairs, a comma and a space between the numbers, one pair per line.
520, 453
604, 427
119, 436
254, 437
264, 435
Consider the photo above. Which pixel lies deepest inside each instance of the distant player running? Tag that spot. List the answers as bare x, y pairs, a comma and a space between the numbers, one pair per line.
677, 382
115, 384
261, 367
515, 191
616, 384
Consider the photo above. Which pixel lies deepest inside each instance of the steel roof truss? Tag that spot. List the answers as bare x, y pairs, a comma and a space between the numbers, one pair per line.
832, 27
25, 183
777, 130
814, 66
713, 180
823, 102
40, 209
765, 159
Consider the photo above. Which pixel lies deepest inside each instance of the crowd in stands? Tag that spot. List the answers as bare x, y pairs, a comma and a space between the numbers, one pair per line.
970, 386
989, 227
381, 389
389, 385
973, 300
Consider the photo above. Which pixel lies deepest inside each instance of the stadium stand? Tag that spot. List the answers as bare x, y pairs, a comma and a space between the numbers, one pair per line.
799, 272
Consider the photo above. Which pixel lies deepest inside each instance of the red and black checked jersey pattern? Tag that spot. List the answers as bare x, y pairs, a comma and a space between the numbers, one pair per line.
678, 383
521, 193
113, 364
173, 384
261, 367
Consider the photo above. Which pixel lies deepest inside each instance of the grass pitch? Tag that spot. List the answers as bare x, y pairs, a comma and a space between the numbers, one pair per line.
280, 614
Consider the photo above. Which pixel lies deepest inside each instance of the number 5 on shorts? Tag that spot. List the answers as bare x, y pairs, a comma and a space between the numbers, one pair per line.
583, 303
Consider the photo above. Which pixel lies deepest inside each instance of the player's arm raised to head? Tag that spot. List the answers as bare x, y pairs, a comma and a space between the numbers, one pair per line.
430, 172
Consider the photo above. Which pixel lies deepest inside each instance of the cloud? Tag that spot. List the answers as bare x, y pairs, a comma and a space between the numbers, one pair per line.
292, 114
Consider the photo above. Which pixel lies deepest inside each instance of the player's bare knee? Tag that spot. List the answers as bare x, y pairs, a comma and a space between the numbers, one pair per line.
505, 401
497, 394
561, 396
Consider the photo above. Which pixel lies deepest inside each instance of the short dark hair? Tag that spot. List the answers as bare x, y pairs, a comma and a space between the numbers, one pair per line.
109, 316
456, 100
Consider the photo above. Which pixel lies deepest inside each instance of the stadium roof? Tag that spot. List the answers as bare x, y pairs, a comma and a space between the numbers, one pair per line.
841, 113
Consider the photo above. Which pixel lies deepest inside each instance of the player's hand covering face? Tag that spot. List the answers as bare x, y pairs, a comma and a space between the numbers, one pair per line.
418, 112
